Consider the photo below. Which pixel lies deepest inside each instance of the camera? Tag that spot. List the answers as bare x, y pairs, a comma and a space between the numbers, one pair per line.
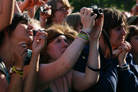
35, 31
43, 9
97, 10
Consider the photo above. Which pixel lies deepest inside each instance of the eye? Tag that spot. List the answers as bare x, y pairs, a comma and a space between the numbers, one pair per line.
59, 40
118, 29
24, 22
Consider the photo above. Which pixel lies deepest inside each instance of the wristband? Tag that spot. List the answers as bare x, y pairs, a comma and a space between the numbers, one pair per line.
124, 67
19, 72
97, 70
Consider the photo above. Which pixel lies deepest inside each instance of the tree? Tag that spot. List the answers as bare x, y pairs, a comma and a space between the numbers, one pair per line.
125, 5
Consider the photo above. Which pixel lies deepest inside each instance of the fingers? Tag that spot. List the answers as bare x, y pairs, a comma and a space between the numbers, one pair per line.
126, 46
87, 18
21, 49
41, 36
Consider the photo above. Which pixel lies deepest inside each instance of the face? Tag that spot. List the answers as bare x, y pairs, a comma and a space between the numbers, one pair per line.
134, 43
56, 48
23, 32
60, 13
117, 35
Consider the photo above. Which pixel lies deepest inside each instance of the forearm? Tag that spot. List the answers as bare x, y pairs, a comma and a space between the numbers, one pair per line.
90, 77
30, 80
93, 62
42, 22
72, 53
17, 9
23, 6
6, 13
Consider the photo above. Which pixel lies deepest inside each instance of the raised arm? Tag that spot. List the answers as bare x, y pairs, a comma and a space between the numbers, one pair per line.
30, 80
82, 81
6, 13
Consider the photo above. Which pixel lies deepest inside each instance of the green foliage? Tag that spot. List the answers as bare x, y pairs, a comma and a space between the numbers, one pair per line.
125, 5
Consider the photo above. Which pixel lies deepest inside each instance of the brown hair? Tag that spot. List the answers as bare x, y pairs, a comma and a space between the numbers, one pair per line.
112, 18
132, 31
74, 20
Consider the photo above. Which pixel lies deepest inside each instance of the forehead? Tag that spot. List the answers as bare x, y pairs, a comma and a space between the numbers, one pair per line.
121, 25
61, 37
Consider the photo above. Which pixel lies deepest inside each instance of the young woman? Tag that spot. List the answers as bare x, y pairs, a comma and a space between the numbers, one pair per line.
128, 79
115, 27
13, 49
56, 50
59, 8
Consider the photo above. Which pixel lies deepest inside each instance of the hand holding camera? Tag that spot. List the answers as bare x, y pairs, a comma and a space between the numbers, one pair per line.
97, 11
46, 9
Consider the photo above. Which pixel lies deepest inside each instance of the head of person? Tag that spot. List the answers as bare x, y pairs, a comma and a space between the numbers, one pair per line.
115, 26
133, 20
60, 9
74, 20
59, 37
20, 29
132, 38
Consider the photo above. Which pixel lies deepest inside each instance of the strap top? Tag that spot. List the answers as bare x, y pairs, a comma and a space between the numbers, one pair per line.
3, 69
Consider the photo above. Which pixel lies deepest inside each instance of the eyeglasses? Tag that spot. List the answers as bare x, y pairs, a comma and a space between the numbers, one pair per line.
63, 8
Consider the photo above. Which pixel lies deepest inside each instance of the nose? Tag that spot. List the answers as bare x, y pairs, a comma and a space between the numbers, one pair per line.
30, 26
124, 31
64, 44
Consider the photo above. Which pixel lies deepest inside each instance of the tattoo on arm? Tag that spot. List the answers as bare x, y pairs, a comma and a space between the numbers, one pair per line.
1, 6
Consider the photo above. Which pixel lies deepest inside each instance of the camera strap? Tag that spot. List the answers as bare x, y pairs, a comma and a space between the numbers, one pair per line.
110, 48
111, 54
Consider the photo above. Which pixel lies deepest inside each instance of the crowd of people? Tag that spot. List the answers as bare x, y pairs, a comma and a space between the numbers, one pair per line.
63, 51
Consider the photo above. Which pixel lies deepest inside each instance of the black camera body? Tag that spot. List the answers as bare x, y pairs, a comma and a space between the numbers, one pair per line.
97, 11
35, 31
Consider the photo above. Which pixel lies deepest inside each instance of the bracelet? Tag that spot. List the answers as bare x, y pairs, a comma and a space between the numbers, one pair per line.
19, 72
97, 70
87, 33
124, 67
83, 36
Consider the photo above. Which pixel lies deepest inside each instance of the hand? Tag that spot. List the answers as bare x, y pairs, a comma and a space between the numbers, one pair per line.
39, 42
19, 54
97, 29
88, 21
45, 15
122, 51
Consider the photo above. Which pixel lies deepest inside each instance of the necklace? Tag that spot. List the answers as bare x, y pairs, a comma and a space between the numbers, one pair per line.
57, 87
